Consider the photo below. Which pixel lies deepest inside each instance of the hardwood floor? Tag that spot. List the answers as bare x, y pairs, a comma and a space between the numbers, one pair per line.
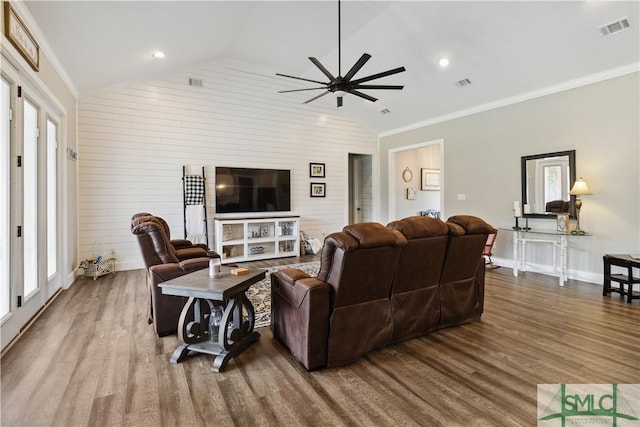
92, 360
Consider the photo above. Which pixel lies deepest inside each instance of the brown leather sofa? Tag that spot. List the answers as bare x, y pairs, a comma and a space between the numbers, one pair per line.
378, 285
162, 262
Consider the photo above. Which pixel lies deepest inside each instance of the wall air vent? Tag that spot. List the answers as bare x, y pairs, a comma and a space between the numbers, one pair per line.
195, 82
384, 111
615, 27
463, 82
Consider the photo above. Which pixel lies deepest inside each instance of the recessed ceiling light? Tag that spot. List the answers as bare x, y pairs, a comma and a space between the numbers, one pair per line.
158, 54
443, 62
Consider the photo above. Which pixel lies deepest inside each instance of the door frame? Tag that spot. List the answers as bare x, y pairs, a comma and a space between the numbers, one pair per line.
33, 89
394, 173
375, 210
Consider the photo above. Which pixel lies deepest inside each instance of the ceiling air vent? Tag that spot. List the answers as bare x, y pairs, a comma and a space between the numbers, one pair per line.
463, 82
615, 27
195, 82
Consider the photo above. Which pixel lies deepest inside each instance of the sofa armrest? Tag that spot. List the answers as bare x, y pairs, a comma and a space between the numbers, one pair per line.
163, 272
182, 243
300, 310
294, 285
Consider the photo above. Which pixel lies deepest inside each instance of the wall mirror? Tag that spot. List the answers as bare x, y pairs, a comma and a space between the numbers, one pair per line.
546, 182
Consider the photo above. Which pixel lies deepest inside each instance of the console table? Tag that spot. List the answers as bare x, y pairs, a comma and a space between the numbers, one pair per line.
559, 242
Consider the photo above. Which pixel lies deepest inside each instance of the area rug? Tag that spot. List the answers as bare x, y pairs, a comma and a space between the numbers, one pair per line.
260, 293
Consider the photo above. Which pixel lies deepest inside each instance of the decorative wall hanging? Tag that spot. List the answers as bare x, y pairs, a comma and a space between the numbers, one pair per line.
316, 170
430, 179
318, 189
17, 33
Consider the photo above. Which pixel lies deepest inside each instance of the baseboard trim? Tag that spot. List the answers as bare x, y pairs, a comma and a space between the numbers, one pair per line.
583, 276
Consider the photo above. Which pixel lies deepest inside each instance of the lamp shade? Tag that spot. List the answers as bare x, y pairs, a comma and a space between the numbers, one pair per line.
580, 188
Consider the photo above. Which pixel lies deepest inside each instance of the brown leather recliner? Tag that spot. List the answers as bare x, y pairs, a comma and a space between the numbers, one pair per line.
163, 264
463, 271
344, 312
184, 248
415, 296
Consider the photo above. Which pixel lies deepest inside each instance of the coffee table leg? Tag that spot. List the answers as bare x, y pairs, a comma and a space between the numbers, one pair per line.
236, 332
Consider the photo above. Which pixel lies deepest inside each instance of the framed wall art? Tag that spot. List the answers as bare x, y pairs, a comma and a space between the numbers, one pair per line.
318, 189
411, 193
430, 179
563, 223
17, 33
316, 170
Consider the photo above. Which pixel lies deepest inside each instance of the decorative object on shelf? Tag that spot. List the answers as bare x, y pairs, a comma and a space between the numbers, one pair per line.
579, 188
517, 213
563, 223
17, 33
227, 233
318, 189
430, 179
411, 193
341, 85
264, 231
316, 170
407, 175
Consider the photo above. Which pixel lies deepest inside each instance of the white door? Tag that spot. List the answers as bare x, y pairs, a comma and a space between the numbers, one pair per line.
28, 199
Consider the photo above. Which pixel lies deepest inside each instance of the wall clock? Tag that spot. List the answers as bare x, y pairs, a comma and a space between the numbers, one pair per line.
407, 175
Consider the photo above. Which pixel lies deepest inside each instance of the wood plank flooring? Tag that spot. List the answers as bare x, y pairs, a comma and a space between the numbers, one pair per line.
92, 360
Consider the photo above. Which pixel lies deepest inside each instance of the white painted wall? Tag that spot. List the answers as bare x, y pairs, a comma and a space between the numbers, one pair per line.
415, 159
601, 121
134, 140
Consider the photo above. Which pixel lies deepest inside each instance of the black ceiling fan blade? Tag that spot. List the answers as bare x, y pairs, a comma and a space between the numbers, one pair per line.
363, 95
316, 97
300, 78
356, 67
379, 75
321, 67
378, 87
300, 90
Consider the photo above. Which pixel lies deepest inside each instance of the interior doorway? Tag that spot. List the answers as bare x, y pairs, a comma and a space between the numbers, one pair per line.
360, 188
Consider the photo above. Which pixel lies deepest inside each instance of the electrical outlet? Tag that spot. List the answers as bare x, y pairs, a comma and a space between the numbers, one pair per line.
462, 197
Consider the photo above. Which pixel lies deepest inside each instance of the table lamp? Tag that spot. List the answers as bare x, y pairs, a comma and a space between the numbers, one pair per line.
579, 189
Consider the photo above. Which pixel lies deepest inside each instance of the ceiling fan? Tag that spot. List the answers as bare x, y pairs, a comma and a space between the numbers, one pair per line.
342, 85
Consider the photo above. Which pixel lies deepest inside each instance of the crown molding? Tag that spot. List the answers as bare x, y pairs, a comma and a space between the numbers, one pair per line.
45, 48
549, 90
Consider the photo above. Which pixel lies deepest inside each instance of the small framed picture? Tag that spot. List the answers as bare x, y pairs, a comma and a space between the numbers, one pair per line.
411, 193
563, 223
316, 170
430, 179
318, 189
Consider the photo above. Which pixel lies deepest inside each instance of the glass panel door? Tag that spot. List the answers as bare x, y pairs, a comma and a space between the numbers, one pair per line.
30, 197
52, 197
5, 213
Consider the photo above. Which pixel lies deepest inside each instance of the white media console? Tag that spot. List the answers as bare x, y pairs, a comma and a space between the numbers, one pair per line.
246, 239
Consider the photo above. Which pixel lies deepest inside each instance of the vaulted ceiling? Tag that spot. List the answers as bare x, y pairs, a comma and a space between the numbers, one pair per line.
505, 49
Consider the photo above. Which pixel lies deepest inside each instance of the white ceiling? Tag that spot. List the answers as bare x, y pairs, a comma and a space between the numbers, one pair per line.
506, 49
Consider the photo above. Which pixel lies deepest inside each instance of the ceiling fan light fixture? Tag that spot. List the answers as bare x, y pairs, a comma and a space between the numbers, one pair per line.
340, 85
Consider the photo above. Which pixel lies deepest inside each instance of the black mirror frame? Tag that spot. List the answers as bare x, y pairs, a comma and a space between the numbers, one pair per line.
572, 179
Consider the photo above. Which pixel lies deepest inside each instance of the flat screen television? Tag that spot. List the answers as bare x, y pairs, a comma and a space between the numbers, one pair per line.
241, 190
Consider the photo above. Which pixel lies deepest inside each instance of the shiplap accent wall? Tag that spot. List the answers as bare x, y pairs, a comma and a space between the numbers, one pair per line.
133, 142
